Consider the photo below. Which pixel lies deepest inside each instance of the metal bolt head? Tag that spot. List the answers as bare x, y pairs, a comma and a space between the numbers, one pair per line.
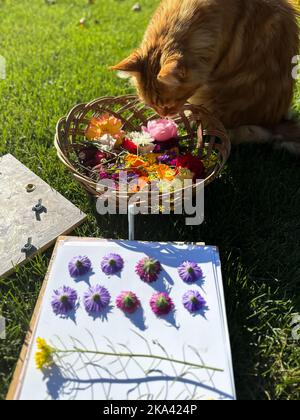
38, 207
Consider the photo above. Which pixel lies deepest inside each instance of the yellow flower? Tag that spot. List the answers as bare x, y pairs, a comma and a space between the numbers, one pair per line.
44, 355
210, 162
184, 173
151, 158
106, 124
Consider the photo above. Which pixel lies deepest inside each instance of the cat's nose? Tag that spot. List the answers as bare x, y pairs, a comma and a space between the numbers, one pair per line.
166, 111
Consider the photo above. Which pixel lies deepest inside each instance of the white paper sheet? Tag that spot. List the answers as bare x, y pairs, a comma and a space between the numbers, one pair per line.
198, 339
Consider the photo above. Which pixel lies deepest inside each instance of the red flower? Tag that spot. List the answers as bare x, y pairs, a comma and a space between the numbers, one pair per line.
129, 146
194, 164
91, 156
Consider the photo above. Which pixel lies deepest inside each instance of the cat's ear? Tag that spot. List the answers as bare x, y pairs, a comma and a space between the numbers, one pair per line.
172, 73
131, 65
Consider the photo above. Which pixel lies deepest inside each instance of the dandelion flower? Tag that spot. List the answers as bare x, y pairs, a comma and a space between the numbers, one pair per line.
44, 355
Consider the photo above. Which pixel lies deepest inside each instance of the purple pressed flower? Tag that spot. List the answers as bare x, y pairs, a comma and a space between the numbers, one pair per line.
112, 264
161, 304
79, 266
193, 301
64, 300
128, 302
96, 299
190, 272
148, 269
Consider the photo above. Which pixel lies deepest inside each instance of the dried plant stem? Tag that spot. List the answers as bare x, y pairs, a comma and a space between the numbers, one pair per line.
132, 356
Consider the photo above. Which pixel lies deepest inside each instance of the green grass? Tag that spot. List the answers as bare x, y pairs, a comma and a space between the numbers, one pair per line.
252, 212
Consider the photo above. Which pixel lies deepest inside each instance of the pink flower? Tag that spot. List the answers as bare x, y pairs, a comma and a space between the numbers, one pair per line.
128, 302
162, 130
161, 304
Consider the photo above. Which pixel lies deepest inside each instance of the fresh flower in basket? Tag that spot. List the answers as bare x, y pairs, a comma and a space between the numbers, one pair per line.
153, 155
117, 142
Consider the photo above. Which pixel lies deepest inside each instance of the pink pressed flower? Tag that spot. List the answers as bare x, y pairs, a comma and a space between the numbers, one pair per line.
162, 130
161, 304
148, 269
128, 302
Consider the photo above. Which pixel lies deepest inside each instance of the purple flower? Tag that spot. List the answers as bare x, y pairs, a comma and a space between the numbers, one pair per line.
161, 304
115, 177
190, 272
128, 302
79, 266
96, 299
148, 269
193, 301
103, 175
112, 264
64, 300
168, 158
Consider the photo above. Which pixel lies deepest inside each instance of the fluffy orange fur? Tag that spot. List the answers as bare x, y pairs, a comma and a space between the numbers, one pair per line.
234, 57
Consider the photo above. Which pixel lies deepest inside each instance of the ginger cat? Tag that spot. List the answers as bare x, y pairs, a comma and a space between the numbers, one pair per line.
232, 56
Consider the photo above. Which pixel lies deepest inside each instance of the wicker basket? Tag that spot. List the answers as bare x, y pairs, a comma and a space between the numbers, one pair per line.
196, 124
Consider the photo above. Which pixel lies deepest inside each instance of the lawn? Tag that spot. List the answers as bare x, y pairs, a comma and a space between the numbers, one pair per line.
252, 211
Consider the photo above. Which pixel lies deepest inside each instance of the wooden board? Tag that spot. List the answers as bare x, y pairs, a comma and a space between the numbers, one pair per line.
24, 367
18, 221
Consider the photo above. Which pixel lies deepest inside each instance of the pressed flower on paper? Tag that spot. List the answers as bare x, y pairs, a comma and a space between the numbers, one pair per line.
79, 266
44, 355
64, 300
193, 301
190, 272
148, 269
112, 264
96, 298
161, 304
128, 302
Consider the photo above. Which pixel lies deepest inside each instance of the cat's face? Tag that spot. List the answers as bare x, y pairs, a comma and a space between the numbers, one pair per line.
165, 88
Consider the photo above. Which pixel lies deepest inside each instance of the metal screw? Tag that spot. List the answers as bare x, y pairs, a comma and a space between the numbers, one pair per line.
27, 247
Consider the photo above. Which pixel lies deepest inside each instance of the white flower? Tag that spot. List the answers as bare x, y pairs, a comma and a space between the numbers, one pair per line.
141, 139
107, 141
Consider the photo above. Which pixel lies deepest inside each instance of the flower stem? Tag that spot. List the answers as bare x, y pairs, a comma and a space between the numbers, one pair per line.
132, 356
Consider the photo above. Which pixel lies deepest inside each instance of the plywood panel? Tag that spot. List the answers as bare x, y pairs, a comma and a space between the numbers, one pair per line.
18, 221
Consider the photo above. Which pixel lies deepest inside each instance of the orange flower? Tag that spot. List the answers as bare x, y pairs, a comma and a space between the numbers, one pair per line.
165, 172
106, 124
141, 183
134, 161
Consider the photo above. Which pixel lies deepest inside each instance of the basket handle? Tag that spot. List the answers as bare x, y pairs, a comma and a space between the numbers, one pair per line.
200, 141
